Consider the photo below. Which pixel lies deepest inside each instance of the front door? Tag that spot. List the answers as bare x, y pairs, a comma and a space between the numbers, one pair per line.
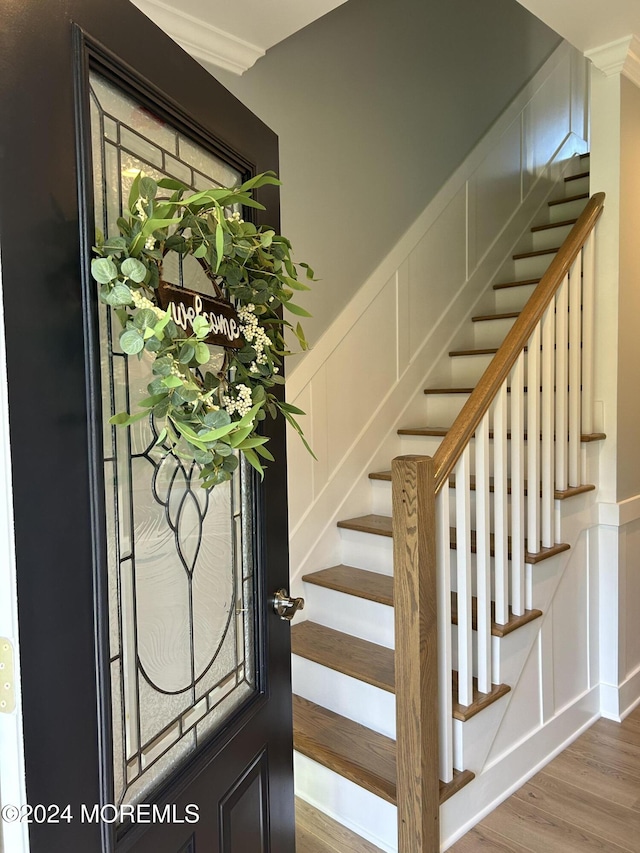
156, 682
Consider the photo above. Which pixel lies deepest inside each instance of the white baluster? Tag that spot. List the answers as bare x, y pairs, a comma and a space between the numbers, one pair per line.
500, 504
562, 382
483, 555
547, 377
445, 702
463, 561
517, 487
588, 309
533, 442
575, 324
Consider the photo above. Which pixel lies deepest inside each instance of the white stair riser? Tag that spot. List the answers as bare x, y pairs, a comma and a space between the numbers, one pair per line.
361, 811
466, 370
383, 499
535, 267
356, 700
472, 739
550, 238
491, 333
568, 210
368, 620
508, 654
443, 408
495, 652
512, 298
423, 445
577, 186
364, 551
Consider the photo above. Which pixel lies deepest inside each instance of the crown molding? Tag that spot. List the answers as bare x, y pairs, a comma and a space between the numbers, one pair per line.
618, 57
201, 40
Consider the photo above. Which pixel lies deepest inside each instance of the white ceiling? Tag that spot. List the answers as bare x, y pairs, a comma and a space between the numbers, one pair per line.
588, 24
234, 34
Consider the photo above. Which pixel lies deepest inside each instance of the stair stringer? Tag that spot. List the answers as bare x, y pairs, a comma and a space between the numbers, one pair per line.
555, 695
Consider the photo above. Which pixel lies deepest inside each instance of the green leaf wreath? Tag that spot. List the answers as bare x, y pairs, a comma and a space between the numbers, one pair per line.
198, 414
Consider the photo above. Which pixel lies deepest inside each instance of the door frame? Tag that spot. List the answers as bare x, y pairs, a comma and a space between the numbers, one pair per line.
13, 835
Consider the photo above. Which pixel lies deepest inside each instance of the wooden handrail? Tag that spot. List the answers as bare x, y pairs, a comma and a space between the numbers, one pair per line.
465, 425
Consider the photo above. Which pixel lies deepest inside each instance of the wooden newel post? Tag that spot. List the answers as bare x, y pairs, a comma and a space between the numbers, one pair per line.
415, 607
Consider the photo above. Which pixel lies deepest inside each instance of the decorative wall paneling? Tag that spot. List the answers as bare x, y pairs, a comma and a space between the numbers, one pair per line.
357, 379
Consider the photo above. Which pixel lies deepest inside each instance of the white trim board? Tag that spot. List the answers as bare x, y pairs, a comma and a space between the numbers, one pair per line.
202, 40
618, 57
14, 836
616, 703
619, 514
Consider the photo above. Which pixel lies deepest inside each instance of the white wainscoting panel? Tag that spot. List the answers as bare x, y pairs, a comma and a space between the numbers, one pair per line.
371, 364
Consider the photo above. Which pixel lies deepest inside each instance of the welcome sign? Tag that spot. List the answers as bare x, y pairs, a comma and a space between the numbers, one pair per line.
185, 304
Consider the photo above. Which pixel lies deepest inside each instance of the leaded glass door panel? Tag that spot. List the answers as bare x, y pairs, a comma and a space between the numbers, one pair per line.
156, 676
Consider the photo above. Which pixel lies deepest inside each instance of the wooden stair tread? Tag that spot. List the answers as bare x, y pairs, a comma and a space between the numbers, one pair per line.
376, 587
558, 495
481, 351
548, 226
442, 431
509, 315
361, 755
530, 559
568, 199
380, 525
536, 254
522, 283
460, 779
350, 749
369, 585
497, 630
448, 390
344, 653
371, 523
576, 177
480, 700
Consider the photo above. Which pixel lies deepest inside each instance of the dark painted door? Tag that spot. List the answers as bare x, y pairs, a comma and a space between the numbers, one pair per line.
156, 680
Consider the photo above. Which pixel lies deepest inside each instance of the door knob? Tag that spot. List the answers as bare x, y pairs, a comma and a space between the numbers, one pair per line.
285, 606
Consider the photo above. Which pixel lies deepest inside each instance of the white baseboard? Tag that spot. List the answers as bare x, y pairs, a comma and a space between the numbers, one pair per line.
364, 813
497, 782
616, 703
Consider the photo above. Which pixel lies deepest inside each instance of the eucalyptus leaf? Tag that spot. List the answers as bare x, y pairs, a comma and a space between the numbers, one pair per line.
187, 352
134, 269
202, 353
217, 419
131, 342
104, 270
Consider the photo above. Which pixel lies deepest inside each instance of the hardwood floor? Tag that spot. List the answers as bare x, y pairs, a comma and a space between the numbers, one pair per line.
317, 833
586, 799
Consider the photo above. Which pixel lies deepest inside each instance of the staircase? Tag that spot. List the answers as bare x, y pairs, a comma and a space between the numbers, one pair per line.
343, 656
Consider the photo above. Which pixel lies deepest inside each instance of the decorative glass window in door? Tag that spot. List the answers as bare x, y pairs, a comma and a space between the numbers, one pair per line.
180, 559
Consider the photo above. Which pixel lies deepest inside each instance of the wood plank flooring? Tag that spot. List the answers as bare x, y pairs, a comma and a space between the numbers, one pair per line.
587, 799
317, 833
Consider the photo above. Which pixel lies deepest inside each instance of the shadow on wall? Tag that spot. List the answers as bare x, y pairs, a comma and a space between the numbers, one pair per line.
376, 104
